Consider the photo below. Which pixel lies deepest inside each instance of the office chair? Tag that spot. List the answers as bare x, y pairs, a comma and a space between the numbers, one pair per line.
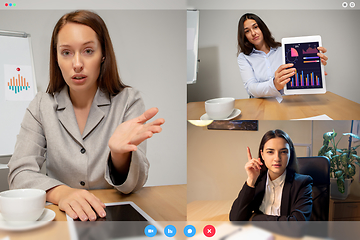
318, 168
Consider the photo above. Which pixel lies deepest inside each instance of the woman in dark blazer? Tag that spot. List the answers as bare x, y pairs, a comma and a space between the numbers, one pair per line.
277, 162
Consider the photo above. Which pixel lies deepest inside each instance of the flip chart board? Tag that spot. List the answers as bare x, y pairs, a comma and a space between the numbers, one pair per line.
17, 85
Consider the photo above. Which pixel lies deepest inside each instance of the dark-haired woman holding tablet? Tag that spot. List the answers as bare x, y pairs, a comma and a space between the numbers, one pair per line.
89, 127
260, 61
274, 191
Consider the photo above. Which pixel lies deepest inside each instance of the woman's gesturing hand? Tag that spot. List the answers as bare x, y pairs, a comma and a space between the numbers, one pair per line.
77, 203
282, 75
252, 168
128, 135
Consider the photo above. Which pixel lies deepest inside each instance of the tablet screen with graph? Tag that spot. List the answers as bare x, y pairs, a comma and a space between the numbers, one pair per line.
309, 77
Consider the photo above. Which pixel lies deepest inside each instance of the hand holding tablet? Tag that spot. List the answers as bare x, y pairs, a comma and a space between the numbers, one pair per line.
303, 53
282, 75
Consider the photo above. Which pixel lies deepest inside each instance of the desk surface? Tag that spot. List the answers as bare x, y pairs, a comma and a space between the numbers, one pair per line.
215, 213
292, 107
209, 210
161, 203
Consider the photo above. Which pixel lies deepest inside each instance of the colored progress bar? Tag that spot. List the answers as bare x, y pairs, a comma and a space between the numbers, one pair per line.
314, 61
310, 57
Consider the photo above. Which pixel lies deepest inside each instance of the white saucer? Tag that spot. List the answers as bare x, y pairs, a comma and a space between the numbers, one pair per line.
47, 216
234, 114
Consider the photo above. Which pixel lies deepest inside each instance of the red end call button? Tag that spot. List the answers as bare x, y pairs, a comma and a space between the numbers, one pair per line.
209, 230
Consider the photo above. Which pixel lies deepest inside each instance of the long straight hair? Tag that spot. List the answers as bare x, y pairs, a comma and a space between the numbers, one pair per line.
243, 43
109, 80
293, 163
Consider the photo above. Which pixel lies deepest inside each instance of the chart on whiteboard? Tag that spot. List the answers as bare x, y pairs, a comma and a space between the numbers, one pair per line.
19, 85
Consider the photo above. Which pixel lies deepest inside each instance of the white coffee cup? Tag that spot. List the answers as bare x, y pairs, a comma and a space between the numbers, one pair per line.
22, 205
219, 108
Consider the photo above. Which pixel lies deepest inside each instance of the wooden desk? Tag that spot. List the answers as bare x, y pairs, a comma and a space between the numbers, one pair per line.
209, 210
292, 107
162, 203
345, 210
216, 213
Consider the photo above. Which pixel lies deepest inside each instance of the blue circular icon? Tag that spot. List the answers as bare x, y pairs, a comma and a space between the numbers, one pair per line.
10, 4
150, 231
189, 231
170, 231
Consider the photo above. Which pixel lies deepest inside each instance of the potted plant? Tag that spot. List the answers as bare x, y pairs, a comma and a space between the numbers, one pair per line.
342, 162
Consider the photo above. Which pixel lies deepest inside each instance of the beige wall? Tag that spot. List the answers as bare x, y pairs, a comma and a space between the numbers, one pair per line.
216, 158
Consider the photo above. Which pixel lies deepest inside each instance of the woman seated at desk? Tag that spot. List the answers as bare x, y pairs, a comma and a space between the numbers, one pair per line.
89, 127
260, 61
274, 191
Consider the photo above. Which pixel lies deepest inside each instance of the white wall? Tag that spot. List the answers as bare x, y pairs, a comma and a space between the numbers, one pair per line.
150, 49
216, 158
219, 74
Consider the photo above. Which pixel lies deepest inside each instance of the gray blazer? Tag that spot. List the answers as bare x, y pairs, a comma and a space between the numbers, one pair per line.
50, 133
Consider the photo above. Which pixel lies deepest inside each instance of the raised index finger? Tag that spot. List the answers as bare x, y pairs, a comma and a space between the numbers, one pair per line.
249, 153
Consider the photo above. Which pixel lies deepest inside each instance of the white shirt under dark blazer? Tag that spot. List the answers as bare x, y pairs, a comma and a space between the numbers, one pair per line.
49, 134
273, 192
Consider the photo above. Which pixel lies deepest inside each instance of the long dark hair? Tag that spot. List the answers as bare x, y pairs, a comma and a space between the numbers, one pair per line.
109, 80
293, 163
243, 43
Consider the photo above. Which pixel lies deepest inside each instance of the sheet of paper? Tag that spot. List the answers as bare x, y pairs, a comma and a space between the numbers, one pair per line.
319, 117
249, 232
19, 84
229, 231
314, 238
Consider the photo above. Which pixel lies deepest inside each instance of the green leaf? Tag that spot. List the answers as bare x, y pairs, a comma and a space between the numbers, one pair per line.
329, 154
322, 150
339, 174
355, 147
351, 134
341, 184
344, 159
357, 163
351, 170
356, 157
329, 135
340, 150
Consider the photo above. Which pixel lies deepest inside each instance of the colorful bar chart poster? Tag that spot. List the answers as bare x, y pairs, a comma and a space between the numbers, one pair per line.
307, 64
19, 85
